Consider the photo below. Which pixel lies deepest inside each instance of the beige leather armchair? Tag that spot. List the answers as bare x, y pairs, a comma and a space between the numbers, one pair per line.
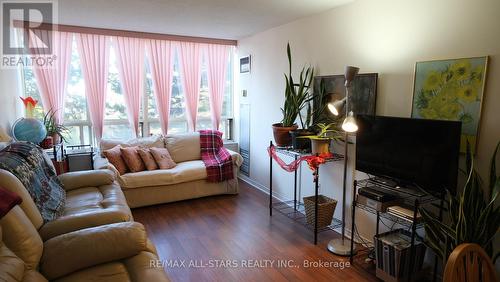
93, 198
114, 252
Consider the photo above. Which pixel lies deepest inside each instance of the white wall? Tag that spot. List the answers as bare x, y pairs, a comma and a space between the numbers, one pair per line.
10, 104
384, 36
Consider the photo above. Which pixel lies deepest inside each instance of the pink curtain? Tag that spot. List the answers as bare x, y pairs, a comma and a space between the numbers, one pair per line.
160, 63
217, 58
94, 58
130, 55
190, 60
52, 78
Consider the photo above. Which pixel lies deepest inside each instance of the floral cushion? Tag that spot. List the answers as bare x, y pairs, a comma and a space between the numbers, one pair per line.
162, 158
147, 158
132, 159
114, 156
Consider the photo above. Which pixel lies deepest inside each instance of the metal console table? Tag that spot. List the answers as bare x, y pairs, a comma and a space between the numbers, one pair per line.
294, 209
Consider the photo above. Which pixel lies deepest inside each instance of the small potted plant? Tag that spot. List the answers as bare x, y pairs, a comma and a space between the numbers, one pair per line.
55, 131
314, 115
296, 97
320, 143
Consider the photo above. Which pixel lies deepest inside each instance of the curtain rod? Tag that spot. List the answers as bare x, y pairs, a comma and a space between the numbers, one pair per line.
125, 33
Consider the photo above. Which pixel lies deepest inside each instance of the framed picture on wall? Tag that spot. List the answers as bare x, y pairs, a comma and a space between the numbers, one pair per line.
362, 98
245, 64
451, 90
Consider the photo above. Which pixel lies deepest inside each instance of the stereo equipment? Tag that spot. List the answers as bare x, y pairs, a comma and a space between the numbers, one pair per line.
377, 194
376, 205
403, 212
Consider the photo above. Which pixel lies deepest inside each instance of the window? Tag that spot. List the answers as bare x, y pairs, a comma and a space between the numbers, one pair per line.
31, 89
76, 116
177, 120
116, 124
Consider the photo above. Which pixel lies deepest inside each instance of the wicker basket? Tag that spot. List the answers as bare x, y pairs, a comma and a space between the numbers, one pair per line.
326, 207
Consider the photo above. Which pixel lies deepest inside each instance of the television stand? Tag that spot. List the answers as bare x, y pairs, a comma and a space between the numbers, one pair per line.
414, 199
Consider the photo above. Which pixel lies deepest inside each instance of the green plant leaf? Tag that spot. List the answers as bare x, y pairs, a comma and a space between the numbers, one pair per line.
472, 216
468, 158
494, 178
297, 95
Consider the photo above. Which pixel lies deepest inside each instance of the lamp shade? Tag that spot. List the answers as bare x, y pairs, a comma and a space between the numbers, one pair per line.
350, 73
349, 124
336, 106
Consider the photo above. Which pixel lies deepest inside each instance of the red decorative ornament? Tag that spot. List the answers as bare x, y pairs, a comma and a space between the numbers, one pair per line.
313, 162
29, 104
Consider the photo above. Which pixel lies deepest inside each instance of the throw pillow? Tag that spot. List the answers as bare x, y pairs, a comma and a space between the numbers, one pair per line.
132, 159
114, 156
148, 159
143, 142
8, 200
162, 158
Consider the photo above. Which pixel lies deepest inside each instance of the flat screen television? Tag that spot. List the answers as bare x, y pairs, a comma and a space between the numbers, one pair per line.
411, 152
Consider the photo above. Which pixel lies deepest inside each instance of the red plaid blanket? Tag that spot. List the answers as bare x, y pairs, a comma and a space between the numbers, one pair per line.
217, 159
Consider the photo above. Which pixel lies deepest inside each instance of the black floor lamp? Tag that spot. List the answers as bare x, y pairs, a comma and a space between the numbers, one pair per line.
342, 246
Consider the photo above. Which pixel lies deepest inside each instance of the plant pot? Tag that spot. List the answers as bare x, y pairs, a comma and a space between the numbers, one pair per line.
326, 207
57, 138
281, 134
47, 143
320, 146
301, 143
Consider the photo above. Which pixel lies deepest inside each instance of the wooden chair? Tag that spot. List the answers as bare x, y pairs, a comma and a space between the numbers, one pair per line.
469, 263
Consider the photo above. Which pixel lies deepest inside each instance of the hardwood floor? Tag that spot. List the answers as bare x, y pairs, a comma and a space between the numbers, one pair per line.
209, 231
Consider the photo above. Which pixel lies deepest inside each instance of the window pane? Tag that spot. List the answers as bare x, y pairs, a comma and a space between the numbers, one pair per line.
177, 127
117, 131
75, 108
73, 136
31, 89
177, 104
151, 107
207, 124
204, 124
86, 135
115, 102
154, 128
204, 102
227, 107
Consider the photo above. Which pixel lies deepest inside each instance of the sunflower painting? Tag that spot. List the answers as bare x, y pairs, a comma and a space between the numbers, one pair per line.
451, 90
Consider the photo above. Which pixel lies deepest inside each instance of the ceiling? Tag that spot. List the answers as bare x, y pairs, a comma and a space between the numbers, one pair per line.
227, 19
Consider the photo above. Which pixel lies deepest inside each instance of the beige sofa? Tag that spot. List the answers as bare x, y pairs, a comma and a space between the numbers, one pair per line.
114, 252
186, 181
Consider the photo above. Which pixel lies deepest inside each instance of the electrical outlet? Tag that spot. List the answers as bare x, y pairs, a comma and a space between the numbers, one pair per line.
244, 93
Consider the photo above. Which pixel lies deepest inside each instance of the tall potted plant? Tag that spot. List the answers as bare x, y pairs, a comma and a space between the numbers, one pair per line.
472, 216
296, 97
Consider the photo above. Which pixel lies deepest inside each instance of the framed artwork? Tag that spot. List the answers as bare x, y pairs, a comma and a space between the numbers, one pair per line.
245, 64
362, 98
451, 90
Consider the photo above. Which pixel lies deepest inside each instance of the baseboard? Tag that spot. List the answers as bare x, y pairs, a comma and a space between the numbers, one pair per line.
264, 189
260, 187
